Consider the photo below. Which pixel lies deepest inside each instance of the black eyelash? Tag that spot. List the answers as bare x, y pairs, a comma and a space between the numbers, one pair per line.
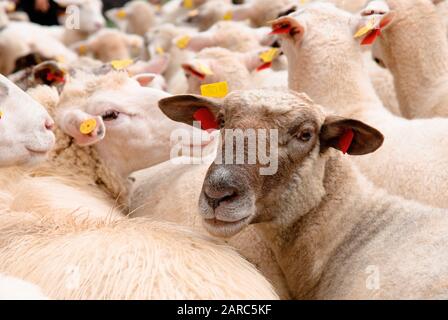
110, 115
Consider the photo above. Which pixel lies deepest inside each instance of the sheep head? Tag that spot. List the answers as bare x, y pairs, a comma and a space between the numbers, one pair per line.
298, 135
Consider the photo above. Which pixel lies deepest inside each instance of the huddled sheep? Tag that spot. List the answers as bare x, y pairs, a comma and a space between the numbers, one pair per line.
100, 199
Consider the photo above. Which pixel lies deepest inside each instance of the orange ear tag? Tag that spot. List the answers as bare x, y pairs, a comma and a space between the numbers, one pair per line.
183, 42
188, 4
228, 16
346, 140
215, 90
121, 14
87, 126
82, 50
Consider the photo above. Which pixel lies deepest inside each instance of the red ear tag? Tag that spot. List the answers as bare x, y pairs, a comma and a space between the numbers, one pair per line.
281, 29
346, 140
206, 118
266, 65
371, 37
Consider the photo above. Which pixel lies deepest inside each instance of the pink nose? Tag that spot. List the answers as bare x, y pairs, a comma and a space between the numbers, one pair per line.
99, 25
49, 124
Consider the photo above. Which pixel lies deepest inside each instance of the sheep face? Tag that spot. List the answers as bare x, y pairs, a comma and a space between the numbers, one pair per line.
90, 14
25, 127
128, 131
235, 195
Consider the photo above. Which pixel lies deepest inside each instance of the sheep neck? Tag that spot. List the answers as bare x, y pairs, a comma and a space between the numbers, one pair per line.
306, 242
417, 51
335, 78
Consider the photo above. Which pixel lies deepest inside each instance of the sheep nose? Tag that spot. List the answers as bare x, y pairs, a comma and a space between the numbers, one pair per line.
99, 25
215, 196
49, 124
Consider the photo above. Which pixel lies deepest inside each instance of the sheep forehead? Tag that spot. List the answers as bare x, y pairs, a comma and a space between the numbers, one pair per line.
318, 12
271, 105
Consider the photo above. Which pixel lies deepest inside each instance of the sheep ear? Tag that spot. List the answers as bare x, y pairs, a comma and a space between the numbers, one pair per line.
260, 59
195, 43
198, 68
144, 79
66, 3
349, 136
288, 26
190, 108
49, 73
134, 41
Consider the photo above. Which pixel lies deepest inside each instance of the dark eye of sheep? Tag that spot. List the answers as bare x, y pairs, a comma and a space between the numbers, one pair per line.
306, 135
110, 115
221, 121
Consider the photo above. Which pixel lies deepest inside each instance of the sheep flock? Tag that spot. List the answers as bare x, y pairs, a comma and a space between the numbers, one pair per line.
219, 149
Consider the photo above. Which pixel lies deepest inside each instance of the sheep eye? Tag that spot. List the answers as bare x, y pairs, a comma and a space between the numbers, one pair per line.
221, 121
306, 135
110, 115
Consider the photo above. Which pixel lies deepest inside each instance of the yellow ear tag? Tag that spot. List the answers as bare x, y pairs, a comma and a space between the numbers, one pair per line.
228, 16
205, 69
369, 26
303, 2
188, 4
183, 42
160, 50
87, 126
82, 50
121, 14
121, 64
215, 90
1, 114
269, 55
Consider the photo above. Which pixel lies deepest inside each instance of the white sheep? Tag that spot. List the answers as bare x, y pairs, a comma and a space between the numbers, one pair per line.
16, 289
412, 161
334, 234
414, 48
136, 17
109, 44
25, 127
21, 38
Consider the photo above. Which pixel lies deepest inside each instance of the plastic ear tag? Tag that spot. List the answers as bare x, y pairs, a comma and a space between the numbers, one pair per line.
183, 42
205, 69
215, 90
121, 14
269, 55
264, 66
206, 118
228, 16
371, 37
346, 140
302, 2
369, 26
188, 4
87, 126
1, 115
121, 64
160, 50
82, 50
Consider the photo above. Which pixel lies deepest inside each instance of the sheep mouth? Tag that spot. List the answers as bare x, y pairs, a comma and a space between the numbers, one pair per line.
225, 229
35, 151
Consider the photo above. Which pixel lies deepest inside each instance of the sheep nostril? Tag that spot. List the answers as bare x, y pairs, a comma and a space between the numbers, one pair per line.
216, 197
49, 124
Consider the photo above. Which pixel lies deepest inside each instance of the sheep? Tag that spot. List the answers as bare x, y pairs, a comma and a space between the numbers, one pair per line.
118, 104
136, 17
231, 35
21, 38
414, 48
123, 259
109, 44
412, 161
25, 127
233, 67
82, 18
334, 234
16, 289
170, 192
